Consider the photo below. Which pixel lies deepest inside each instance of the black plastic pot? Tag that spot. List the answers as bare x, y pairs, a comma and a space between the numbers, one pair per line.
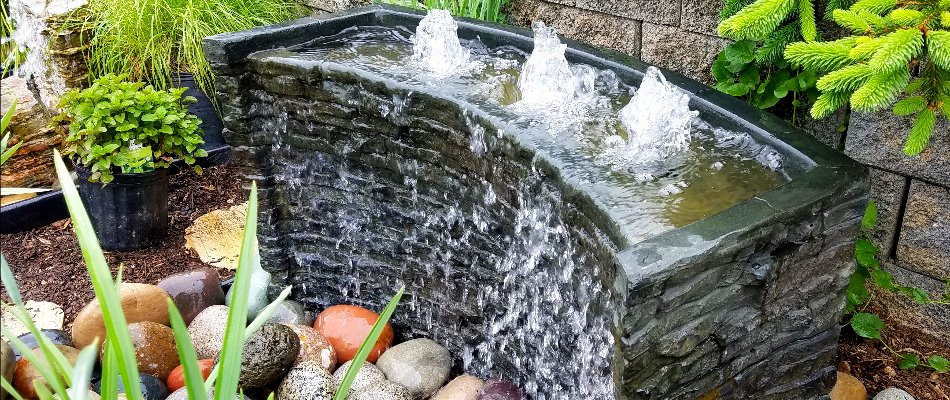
211, 123
131, 212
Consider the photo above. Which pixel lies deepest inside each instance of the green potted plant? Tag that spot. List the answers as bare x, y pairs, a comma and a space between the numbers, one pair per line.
123, 137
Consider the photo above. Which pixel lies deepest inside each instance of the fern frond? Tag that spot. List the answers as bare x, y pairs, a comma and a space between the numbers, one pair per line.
938, 47
897, 49
820, 56
846, 79
874, 6
773, 46
864, 48
757, 20
910, 105
880, 90
920, 133
827, 103
906, 17
806, 18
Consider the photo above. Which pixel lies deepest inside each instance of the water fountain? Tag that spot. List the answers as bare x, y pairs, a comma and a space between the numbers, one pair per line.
718, 270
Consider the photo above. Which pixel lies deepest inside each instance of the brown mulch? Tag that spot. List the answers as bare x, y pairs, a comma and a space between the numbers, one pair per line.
47, 262
877, 369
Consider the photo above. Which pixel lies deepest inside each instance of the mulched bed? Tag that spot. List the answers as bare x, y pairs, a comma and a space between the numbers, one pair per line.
876, 367
48, 264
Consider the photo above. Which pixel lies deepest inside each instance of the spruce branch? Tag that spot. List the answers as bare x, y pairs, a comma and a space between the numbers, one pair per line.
938, 48
827, 103
820, 56
847, 79
806, 17
897, 49
880, 90
757, 20
920, 133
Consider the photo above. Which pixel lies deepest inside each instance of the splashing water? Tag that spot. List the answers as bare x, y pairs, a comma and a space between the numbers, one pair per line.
657, 119
436, 47
547, 77
29, 25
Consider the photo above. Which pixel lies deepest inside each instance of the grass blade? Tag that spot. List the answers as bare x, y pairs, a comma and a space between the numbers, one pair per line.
9, 388
226, 385
367, 346
194, 382
82, 371
48, 373
109, 385
101, 277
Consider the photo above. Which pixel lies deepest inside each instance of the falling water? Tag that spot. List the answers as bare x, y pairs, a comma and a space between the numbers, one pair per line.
657, 119
29, 24
436, 47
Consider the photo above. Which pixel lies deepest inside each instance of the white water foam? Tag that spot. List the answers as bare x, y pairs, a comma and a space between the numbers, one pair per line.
657, 119
436, 47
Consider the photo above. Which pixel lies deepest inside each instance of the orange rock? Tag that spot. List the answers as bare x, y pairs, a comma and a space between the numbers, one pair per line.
176, 379
26, 373
155, 349
848, 387
347, 326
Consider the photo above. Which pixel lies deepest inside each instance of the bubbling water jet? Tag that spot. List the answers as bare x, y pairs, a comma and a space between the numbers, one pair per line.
657, 119
436, 47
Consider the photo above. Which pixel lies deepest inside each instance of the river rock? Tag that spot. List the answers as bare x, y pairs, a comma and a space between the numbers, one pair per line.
314, 347
207, 331
216, 236
420, 365
308, 380
465, 387
381, 390
268, 354
7, 365
256, 294
45, 315
193, 291
291, 313
155, 349
499, 389
368, 375
54, 335
182, 394
347, 326
152, 388
26, 373
848, 387
893, 394
140, 302
176, 379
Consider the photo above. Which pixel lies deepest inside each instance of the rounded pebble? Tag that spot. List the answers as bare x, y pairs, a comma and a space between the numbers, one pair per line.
382, 390
347, 326
499, 389
420, 365
155, 349
893, 393
465, 387
307, 381
26, 374
368, 374
291, 313
207, 331
56, 336
314, 347
140, 302
193, 291
176, 379
268, 354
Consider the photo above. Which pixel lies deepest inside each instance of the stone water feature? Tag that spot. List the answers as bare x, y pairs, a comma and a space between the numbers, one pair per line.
532, 241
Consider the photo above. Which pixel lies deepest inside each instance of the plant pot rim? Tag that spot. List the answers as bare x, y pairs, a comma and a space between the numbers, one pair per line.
124, 179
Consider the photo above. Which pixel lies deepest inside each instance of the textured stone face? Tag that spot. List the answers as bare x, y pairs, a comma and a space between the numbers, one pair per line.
878, 139
599, 29
689, 53
359, 202
925, 231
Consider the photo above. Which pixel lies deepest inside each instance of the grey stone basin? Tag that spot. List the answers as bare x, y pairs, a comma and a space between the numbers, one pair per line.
518, 266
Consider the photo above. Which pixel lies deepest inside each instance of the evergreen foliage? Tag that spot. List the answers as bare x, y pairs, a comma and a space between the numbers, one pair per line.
891, 43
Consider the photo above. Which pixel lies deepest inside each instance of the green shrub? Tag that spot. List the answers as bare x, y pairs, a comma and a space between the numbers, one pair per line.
154, 40
486, 10
128, 127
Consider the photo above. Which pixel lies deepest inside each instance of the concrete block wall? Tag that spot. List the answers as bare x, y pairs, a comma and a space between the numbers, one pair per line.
912, 193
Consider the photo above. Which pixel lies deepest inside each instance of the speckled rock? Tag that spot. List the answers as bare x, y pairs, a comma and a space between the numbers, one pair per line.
193, 291
140, 302
26, 374
499, 389
368, 374
268, 354
182, 394
216, 236
420, 365
207, 331
291, 313
314, 347
307, 381
54, 335
7, 365
155, 349
381, 390
893, 394
465, 387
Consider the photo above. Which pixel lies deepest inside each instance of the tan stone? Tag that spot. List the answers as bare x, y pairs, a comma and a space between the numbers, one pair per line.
464, 387
216, 236
848, 387
140, 302
44, 314
155, 350
32, 164
27, 375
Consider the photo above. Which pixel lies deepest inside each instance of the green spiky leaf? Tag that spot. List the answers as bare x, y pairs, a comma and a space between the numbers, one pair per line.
910, 105
874, 6
757, 20
820, 56
827, 103
880, 90
806, 18
920, 133
845, 79
897, 49
938, 47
